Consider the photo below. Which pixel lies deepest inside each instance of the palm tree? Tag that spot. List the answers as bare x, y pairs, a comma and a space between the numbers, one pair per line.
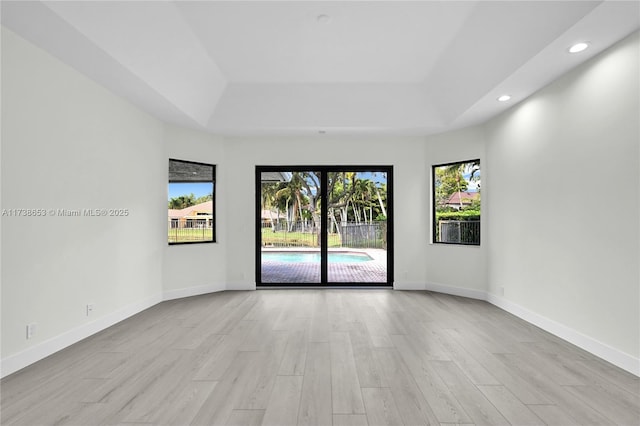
268, 200
292, 191
450, 180
365, 190
383, 208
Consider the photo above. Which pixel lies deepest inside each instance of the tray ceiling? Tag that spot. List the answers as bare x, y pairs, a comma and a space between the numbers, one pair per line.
299, 67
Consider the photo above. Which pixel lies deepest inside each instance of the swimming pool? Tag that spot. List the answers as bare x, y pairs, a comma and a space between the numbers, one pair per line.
314, 257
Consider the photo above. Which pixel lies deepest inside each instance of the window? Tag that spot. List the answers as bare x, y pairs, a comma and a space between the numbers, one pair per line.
191, 202
456, 203
324, 225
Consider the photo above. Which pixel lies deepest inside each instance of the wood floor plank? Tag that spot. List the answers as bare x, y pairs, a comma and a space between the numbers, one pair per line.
466, 361
483, 333
411, 403
392, 321
345, 387
522, 389
320, 326
238, 380
282, 409
474, 403
573, 406
411, 353
611, 374
104, 365
609, 402
266, 370
321, 357
553, 415
245, 418
457, 424
381, 407
156, 393
295, 354
217, 356
315, 400
559, 369
131, 381
184, 404
509, 406
235, 313
377, 332
55, 405
369, 373
341, 317
350, 420
445, 406
425, 337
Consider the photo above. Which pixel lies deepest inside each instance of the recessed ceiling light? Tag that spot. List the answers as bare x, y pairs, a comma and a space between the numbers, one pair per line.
323, 19
504, 98
578, 47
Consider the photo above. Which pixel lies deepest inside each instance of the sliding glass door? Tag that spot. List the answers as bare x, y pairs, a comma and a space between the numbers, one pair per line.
290, 226
357, 226
324, 225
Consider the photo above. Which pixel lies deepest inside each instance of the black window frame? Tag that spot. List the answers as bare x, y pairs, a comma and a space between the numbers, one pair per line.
434, 224
213, 199
324, 281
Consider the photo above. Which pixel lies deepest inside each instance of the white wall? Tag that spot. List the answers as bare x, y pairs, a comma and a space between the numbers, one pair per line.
410, 194
190, 269
549, 166
457, 269
67, 143
563, 211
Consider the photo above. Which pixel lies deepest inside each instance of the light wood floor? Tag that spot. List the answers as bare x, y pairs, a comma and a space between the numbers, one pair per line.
322, 357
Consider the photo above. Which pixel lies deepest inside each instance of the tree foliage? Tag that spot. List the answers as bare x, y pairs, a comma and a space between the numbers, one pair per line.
350, 197
450, 179
184, 201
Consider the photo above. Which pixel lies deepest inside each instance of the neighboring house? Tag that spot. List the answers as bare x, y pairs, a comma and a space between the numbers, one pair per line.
198, 216
269, 216
461, 199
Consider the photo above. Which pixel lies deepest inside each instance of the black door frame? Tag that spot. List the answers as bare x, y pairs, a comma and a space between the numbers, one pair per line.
324, 216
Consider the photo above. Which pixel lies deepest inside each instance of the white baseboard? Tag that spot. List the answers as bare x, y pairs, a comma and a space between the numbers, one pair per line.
241, 285
404, 285
50, 346
589, 344
37, 352
456, 291
192, 291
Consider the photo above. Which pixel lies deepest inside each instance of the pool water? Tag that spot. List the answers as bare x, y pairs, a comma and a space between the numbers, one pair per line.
314, 257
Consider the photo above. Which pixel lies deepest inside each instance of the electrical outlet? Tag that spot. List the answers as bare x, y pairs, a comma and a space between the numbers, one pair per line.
31, 330
90, 307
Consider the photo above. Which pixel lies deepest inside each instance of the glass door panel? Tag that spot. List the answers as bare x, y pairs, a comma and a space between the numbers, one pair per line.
290, 227
324, 225
357, 226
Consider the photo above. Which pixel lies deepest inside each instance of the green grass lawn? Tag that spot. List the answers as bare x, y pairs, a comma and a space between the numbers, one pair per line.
295, 239
269, 238
184, 235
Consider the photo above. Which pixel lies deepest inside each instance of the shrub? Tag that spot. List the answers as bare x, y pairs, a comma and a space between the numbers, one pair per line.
458, 215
